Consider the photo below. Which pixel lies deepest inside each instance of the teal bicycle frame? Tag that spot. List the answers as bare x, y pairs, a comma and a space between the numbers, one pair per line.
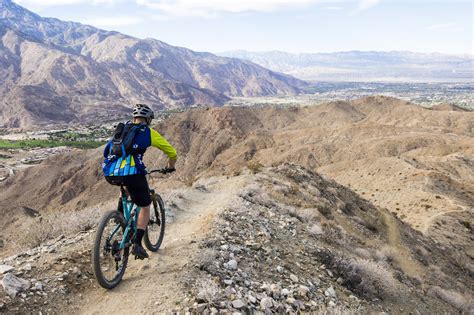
130, 213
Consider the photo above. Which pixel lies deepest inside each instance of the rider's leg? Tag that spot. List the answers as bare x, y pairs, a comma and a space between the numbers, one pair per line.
140, 194
143, 218
142, 222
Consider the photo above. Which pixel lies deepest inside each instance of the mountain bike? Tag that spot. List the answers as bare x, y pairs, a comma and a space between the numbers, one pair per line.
116, 234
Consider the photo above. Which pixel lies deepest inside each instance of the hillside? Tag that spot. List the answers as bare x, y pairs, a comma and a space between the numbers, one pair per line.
365, 66
300, 242
392, 232
57, 72
413, 161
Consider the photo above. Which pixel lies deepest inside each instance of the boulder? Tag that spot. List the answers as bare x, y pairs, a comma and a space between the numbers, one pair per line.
14, 285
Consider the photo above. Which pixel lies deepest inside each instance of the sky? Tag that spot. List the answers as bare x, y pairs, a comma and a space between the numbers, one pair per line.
307, 26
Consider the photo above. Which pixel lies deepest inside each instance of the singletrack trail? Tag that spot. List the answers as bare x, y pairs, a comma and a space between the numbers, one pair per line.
404, 258
152, 285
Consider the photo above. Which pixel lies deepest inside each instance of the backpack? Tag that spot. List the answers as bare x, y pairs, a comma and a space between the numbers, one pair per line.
122, 140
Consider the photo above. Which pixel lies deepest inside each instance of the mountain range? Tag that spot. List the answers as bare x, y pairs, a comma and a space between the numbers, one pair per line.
365, 66
55, 71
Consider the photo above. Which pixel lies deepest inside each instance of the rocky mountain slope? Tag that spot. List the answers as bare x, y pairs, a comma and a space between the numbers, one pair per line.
253, 232
55, 71
416, 162
281, 239
363, 66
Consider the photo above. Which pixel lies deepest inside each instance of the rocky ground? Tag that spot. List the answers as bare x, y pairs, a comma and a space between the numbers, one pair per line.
46, 278
282, 240
274, 252
254, 233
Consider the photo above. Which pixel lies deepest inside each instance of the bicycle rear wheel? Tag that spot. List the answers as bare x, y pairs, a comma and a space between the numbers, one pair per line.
156, 226
108, 260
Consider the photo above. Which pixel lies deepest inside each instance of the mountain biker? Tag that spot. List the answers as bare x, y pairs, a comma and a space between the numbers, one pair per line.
132, 171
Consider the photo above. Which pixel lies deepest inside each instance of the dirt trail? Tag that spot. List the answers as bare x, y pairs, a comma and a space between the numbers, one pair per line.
404, 258
151, 286
429, 221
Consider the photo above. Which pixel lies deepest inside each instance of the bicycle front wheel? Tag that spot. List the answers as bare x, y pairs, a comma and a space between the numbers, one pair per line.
156, 226
108, 260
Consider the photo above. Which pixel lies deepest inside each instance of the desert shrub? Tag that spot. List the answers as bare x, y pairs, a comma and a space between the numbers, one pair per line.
254, 166
294, 189
315, 230
368, 278
466, 224
292, 212
309, 214
334, 234
325, 210
52, 225
362, 252
453, 298
208, 291
386, 254
206, 258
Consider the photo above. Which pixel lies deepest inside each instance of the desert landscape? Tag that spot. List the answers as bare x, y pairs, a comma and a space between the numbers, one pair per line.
349, 193
377, 181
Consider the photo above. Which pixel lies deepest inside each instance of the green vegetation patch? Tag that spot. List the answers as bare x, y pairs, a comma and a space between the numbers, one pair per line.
35, 143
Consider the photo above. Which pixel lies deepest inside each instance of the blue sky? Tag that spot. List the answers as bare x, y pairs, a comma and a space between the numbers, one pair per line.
288, 25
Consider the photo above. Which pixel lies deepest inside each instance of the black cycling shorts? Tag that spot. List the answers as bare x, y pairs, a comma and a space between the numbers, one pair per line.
137, 187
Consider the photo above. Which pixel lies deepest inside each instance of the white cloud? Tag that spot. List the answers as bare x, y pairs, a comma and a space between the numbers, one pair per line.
450, 26
367, 4
210, 8
333, 8
121, 20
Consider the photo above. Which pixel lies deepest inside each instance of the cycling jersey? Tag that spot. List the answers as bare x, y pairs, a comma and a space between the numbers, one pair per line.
132, 164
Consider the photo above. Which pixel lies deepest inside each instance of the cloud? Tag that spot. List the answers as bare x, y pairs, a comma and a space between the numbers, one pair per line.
50, 3
364, 5
211, 8
367, 4
450, 26
334, 8
114, 21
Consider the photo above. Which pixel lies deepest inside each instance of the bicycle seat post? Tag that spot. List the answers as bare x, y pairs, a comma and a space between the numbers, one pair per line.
123, 191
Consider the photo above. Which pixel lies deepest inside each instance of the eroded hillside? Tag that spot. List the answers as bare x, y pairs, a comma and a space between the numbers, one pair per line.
416, 162
280, 239
404, 214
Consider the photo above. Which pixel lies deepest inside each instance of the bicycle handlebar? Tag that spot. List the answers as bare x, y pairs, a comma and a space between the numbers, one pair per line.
164, 170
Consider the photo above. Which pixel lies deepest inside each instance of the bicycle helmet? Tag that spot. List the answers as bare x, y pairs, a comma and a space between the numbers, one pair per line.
142, 110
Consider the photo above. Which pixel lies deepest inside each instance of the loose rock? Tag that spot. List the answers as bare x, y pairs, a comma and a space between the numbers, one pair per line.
14, 285
5, 269
266, 303
238, 304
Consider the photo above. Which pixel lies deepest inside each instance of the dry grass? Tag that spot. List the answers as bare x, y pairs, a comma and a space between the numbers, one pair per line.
309, 214
315, 230
368, 278
386, 254
254, 166
453, 298
209, 291
52, 225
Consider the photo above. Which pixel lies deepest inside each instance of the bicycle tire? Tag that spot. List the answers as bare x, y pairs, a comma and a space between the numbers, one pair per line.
158, 210
96, 251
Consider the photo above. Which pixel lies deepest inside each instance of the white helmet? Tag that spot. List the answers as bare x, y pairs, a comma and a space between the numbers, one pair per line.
142, 110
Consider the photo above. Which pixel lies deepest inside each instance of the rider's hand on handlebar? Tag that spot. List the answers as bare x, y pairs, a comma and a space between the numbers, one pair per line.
169, 170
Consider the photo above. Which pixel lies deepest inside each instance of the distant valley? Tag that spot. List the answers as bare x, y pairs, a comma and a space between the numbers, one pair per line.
365, 66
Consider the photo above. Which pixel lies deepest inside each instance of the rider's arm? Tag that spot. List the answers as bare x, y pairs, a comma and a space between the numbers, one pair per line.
159, 142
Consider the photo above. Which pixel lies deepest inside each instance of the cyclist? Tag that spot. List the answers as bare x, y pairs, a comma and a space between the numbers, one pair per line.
130, 172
